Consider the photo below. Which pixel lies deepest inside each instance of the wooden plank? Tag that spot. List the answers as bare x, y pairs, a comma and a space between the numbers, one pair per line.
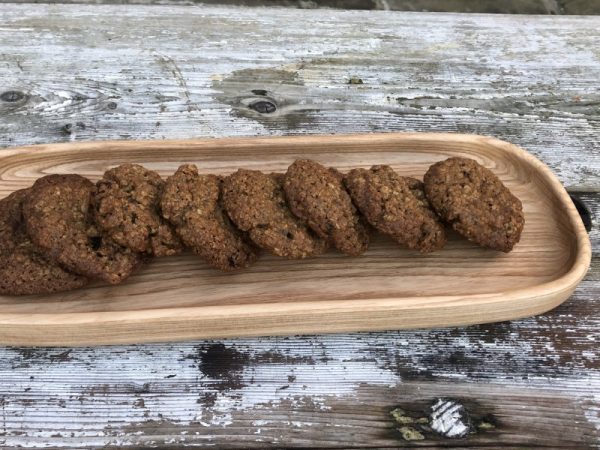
531, 81
498, 418
480, 6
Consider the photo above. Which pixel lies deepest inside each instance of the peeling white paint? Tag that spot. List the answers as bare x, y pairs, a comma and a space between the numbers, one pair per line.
448, 420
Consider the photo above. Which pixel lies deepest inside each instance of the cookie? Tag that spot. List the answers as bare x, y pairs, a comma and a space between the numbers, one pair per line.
418, 190
23, 269
393, 208
256, 203
316, 195
192, 203
127, 209
475, 202
58, 214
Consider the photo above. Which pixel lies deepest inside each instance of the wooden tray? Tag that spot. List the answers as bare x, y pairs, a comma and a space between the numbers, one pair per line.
387, 288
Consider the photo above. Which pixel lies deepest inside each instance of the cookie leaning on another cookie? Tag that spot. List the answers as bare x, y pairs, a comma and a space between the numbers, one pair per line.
23, 268
316, 195
59, 219
475, 202
256, 203
127, 208
391, 206
191, 202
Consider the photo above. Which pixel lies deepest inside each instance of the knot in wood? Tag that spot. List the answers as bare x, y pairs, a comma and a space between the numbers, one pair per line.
263, 107
261, 92
66, 129
12, 96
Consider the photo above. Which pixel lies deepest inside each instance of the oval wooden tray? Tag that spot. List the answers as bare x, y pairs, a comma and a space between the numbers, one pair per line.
387, 288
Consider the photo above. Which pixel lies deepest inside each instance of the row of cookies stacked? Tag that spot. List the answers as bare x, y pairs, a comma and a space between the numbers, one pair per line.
65, 230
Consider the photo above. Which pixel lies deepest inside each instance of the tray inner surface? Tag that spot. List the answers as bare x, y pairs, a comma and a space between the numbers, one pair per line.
546, 250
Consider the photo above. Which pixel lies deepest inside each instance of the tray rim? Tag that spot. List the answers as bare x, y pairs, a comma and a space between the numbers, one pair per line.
15, 327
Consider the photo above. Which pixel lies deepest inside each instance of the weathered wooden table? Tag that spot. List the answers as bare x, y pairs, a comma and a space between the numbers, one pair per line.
79, 72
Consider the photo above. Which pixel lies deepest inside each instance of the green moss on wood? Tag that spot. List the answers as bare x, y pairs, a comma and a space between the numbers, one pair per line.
410, 434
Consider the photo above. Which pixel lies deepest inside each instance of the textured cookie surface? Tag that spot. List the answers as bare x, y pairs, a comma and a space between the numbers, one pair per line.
316, 195
256, 203
23, 269
392, 207
59, 219
127, 208
418, 190
191, 202
475, 202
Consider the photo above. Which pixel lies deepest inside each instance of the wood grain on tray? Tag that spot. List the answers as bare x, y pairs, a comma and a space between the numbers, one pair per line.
387, 288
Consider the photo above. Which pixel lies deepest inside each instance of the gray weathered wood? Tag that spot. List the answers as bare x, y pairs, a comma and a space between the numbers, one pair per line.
467, 6
106, 72
90, 72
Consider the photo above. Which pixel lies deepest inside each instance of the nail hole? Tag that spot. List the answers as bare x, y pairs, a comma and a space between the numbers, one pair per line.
263, 107
584, 212
259, 92
12, 96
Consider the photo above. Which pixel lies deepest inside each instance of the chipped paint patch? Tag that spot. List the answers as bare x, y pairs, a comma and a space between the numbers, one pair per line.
450, 419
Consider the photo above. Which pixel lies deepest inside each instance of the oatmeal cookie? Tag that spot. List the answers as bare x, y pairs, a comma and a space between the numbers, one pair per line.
59, 219
475, 202
256, 203
23, 268
127, 208
192, 203
392, 207
316, 194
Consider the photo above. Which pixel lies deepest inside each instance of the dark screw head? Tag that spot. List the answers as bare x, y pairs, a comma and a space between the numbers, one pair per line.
263, 107
111, 105
584, 212
259, 92
12, 96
